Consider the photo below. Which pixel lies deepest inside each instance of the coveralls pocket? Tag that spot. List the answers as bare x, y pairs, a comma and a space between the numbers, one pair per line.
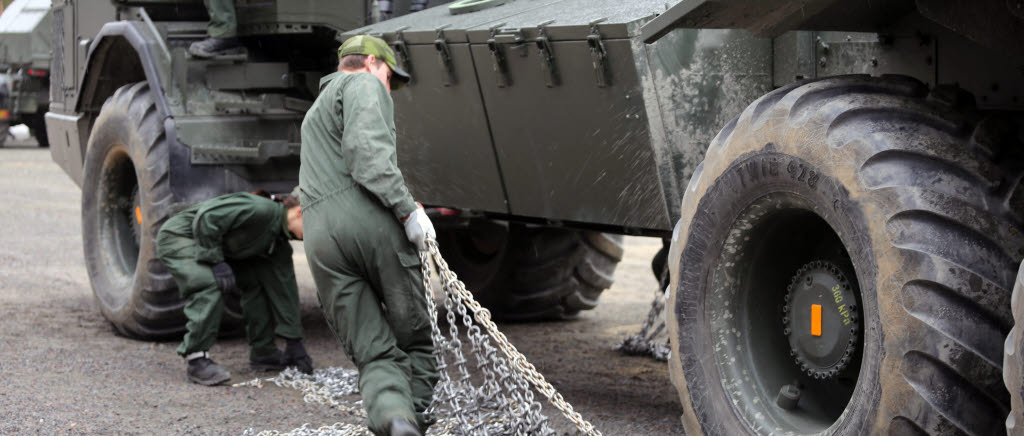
405, 297
408, 259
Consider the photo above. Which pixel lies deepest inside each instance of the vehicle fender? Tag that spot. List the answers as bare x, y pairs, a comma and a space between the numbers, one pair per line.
122, 52
135, 51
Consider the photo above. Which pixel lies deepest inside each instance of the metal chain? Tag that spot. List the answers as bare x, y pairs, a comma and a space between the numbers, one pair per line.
652, 340
501, 402
521, 411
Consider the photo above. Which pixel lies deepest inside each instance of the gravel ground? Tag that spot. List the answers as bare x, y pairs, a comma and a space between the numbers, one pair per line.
64, 371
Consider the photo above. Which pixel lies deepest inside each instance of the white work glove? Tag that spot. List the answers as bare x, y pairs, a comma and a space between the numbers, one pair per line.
418, 227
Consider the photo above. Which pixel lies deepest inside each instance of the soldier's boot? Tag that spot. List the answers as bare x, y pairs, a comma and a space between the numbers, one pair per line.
213, 47
295, 355
401, 427
269, 362
424, 420
203, 370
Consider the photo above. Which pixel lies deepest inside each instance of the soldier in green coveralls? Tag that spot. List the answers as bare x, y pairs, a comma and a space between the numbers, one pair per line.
367, 270
222, 31
237, 243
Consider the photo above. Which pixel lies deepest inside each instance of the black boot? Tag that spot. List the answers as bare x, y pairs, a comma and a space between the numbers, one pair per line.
295, 355
401, 427
212, 47
424, 420
269, 362
204, 371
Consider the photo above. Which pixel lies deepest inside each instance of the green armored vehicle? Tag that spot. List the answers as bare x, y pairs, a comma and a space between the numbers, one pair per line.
146, 129
25, 66
840, 180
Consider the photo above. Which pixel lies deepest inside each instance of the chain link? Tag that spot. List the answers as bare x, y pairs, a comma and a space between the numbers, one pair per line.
498, 400
516, 373
652, 340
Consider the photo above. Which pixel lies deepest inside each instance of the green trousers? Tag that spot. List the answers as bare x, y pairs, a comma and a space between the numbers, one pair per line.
269, 292
370, 286
223, 23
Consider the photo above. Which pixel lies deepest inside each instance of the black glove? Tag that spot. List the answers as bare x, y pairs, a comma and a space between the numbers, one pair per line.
224, 276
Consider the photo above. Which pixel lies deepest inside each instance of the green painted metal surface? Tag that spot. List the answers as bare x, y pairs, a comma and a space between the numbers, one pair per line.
583, 122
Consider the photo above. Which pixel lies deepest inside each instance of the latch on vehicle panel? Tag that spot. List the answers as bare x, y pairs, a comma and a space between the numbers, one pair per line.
444, 57
402, 50
498, 61
547, 58
598, 55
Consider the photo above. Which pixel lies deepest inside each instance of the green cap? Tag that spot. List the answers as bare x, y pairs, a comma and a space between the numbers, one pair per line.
371, 45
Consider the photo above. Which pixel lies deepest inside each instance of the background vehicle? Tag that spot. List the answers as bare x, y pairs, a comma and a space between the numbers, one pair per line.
843, 248
25, 66
146, 130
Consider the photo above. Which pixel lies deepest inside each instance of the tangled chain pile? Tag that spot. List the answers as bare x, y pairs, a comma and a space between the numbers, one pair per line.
652, 340
496, 399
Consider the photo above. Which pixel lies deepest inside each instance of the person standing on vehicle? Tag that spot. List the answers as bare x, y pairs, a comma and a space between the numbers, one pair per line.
366, 268
237, 243
222, 31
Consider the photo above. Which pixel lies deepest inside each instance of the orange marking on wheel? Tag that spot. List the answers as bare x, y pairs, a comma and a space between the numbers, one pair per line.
138, 214
816, 320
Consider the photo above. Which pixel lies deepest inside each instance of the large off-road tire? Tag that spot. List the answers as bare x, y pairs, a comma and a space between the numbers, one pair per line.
1013, 359
37, 125
899, 212
530, 274
126, 197
4, 133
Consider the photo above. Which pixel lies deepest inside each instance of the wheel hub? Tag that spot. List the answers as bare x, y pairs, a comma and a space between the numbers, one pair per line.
821, 319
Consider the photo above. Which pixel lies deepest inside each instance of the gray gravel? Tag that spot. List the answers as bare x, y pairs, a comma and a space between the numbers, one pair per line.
64, 371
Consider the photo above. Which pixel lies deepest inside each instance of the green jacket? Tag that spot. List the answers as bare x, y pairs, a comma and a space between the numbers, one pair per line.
348, 138
237, 226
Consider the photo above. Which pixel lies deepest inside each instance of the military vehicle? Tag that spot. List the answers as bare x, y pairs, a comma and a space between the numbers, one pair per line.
25, 67
841, 181
145, 130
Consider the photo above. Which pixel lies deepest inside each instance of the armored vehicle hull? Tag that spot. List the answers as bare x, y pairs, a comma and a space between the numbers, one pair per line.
843, 248
146, 130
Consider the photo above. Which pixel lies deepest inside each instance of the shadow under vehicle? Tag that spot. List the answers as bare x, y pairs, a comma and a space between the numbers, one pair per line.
25, 67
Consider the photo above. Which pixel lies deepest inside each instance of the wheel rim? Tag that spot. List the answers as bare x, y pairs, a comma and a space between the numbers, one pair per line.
120, 220
781, 259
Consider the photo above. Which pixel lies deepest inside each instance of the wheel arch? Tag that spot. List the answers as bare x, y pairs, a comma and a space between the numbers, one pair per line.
122, 53
127, 52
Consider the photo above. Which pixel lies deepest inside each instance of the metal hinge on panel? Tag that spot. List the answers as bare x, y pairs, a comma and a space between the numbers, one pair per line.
444, 57
402, 50
547, 57
598, 55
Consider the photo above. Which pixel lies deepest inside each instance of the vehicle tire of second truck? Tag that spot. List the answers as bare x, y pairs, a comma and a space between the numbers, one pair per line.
898, 211
37, 125
533, 274
126, 197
